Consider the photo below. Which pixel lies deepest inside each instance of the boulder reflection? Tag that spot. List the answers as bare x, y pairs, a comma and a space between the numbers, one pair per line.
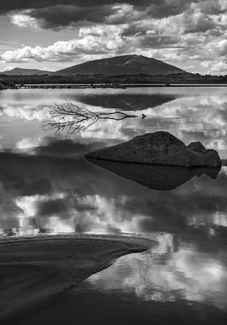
162, 178
53, 195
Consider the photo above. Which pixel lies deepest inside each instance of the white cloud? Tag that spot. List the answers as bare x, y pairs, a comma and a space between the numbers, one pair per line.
10, 67
125, 12
24, 20
28, 143
197, 33
189, 67
47, 69
215, 66
25, 112
92, 40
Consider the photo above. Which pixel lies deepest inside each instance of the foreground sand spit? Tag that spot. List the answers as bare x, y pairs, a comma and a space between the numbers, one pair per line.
35, 270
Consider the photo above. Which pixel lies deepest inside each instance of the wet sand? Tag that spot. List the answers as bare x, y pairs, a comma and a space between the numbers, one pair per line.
33, 270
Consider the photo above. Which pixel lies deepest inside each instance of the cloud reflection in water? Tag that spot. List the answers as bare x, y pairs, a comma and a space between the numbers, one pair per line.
175, 274
192, 115
46, 193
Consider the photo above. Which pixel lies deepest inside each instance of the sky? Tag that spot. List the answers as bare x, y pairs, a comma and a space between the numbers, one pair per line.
55, 34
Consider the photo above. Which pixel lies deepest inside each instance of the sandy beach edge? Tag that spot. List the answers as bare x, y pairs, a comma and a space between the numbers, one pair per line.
36, 269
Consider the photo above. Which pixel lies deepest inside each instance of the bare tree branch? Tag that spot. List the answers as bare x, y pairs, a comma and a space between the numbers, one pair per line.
73, 118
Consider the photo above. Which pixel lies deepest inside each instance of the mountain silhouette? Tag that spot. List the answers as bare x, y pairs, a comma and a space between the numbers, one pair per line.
119, 65
126, 64
25, 72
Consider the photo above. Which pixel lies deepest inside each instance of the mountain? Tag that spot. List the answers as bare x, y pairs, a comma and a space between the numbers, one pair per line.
126, 64
25, 72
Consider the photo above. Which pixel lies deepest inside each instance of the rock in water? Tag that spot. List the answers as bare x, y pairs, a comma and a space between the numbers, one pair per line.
159, 148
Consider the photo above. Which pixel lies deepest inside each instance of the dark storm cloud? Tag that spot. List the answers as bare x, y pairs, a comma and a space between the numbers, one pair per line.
7, 6
60, 16
56, 14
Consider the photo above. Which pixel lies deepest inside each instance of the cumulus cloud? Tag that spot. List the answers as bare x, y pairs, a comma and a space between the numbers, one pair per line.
217, 67
10, 67
94, 40
187, 30
166, 8
47, 69
189, 67
197, 22
213, 7
24, 20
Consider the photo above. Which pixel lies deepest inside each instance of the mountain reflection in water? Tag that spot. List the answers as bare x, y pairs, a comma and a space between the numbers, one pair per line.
126, 102
196, 114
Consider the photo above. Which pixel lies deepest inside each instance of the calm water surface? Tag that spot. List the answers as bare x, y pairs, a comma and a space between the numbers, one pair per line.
53, 189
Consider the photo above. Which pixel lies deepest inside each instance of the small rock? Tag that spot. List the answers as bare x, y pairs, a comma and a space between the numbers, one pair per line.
197, 146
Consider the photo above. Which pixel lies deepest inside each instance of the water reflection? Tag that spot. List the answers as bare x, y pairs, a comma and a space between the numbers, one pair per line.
178, 272
47, 187
174, 283
96, 300
162, 178
74, 118
66, 195
194, 115
126, 102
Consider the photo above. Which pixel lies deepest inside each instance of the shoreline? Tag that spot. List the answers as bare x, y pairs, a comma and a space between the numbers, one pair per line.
120, 86
34, 270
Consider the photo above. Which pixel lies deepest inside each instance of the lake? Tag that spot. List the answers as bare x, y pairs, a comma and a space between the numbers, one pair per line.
46, 186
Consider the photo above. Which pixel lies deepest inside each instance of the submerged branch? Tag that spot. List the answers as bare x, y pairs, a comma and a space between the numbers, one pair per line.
73, 118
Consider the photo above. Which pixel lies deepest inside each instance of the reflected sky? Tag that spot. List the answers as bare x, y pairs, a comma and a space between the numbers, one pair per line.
191, 114
53, 189
177, 272
66, 195
55, 195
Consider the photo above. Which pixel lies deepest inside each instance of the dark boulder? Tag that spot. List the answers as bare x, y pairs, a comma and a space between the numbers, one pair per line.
159, 148
197, 146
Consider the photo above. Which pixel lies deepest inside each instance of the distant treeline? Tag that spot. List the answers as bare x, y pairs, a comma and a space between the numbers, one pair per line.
180, 78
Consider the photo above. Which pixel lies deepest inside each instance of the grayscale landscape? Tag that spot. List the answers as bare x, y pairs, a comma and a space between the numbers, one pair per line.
113, 162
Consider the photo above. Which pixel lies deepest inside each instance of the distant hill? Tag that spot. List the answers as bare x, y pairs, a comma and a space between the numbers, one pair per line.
25, 72
126, 64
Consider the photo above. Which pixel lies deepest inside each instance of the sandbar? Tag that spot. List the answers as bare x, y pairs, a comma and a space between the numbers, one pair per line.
34, 270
